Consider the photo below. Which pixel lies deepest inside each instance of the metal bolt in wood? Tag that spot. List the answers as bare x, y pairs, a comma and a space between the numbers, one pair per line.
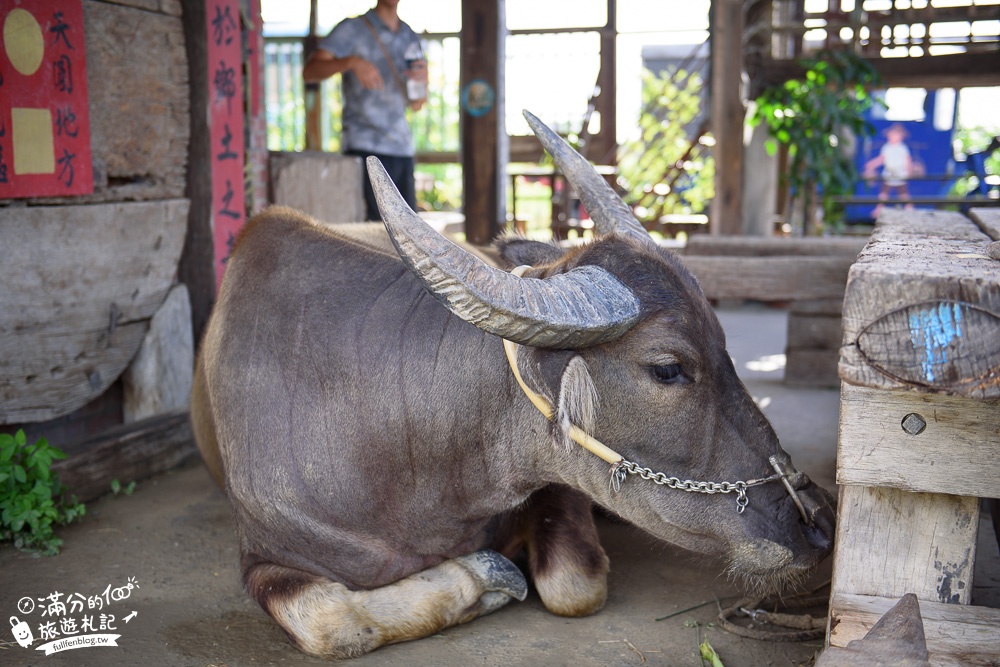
914, 424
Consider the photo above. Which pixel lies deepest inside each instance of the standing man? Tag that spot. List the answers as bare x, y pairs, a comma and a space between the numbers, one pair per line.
384, 71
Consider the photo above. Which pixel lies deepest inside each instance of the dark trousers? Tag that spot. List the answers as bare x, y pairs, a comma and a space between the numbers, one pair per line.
400, 170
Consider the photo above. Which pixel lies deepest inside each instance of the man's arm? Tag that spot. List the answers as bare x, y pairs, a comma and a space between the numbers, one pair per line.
322, 65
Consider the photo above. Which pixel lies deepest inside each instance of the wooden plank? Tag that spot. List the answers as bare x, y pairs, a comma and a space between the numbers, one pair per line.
892, 542
819, 332
957, 70
919, 200
956, 635
988, 220
811, 368
326, 186
770, 278
947, 456
168, 7
80, 285
922, 308
818, 307
128, 453
768, 246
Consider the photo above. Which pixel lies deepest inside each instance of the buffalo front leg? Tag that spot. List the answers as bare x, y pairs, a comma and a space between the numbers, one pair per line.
567, 563
325, 618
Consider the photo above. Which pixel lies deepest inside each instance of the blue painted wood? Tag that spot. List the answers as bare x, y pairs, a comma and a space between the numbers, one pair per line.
947, 345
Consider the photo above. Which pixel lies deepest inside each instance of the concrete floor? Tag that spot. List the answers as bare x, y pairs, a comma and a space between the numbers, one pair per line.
176, 538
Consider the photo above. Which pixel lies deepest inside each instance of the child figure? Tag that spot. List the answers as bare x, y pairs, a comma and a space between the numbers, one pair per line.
897, 166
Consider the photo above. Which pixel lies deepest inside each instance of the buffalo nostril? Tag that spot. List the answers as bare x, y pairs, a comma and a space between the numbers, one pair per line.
821, 533
819, 536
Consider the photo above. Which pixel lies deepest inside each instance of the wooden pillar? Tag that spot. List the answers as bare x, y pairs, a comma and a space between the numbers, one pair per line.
727, 115
196, 269
216, 150
313, 91
604, 147
483, 131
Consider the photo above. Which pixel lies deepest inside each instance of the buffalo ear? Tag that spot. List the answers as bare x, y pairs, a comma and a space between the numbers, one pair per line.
562, 377
517, 251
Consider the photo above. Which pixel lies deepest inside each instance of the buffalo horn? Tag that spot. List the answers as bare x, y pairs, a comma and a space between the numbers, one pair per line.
609, 213
585, 306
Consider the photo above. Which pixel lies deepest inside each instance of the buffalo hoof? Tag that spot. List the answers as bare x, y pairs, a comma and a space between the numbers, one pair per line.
497, 574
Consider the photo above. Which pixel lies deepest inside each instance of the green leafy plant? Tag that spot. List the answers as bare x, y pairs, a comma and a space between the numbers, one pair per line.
665, 169
708, 655
973, 140
816, 117
32, 500
117, 488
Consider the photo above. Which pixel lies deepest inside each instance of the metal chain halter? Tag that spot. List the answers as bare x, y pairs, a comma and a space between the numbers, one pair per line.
621, 468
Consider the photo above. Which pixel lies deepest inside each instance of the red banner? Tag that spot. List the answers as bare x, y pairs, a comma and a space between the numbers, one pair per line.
225, 103
44, 117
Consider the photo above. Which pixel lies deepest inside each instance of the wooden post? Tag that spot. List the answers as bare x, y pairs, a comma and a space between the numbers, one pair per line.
727, 115
918, 425
603, 146
483, 128
213, 35
313, 91
196, 269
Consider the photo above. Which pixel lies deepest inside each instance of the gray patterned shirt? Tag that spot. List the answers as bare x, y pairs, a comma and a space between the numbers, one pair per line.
373, 120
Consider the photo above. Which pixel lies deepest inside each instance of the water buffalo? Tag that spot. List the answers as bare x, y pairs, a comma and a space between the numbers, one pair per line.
383, 464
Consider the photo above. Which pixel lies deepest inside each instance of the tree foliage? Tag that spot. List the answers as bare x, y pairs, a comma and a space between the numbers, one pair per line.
817, 118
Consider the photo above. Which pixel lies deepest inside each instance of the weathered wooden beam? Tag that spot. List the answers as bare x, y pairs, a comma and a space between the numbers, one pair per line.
128, 453
956, 635
957, 70
79, 290
833, 306
916, 441
811, 368
988, 221
891, 542
327, 186
765, 246
922, 308
770, 278
919, 200
820, 332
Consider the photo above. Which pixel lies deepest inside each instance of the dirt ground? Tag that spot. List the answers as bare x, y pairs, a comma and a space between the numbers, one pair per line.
175, 538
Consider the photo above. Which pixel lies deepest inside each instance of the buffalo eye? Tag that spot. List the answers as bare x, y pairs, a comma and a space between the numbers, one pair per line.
669, 374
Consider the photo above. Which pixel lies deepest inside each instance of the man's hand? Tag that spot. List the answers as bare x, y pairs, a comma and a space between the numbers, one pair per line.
417, 71
367, 73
